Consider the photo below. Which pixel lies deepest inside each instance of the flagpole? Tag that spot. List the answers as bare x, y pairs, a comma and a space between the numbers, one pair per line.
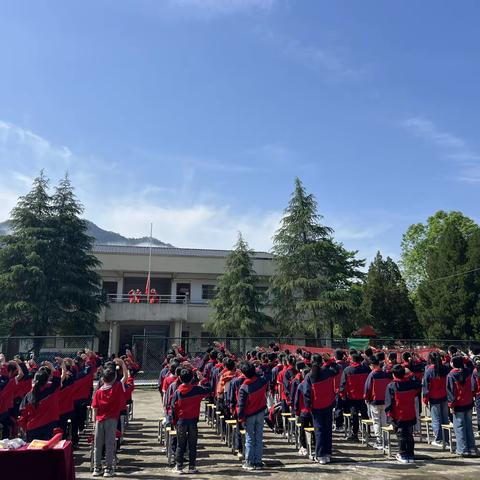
149, 264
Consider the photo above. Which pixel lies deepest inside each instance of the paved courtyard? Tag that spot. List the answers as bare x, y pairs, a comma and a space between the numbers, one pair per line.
141, 456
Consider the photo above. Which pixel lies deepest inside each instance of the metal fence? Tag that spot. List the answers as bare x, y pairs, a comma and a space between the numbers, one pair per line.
151, 350
46, 348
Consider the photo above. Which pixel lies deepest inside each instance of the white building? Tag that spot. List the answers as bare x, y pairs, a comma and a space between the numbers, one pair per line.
184, 279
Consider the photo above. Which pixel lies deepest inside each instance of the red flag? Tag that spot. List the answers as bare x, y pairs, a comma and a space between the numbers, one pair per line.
147, 286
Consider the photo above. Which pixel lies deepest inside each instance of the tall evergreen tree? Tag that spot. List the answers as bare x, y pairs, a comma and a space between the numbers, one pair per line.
472, 279
237, 303
442, 300
313, 273
47, 281
386, 303
26, 264
77, 284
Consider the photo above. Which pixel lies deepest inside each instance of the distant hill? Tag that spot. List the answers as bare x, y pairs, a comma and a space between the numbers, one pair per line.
105, 237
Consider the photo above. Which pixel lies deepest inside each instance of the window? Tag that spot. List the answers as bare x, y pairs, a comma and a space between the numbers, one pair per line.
208, 292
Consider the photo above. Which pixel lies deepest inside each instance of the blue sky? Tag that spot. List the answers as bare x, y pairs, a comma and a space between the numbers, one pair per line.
198, 114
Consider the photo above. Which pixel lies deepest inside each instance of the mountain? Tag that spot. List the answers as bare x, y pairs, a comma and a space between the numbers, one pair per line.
105, 237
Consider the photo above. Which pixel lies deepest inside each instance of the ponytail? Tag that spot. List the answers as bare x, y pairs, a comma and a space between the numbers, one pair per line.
40, 379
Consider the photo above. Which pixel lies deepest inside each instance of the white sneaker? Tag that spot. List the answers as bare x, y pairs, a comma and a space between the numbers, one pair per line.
436, 444
322, 460
303, 452
401, 459
97, 472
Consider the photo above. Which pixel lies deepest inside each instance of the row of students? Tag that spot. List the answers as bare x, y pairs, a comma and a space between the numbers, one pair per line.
315, 387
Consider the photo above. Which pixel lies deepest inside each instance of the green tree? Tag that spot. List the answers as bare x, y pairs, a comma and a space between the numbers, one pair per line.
386, 303
26, 265
443, 298
313, 273
472, 279
421, 240
47, 281
77, 284
238, 303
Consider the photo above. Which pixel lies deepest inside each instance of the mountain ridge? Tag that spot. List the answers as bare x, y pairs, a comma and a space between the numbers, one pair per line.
104, 237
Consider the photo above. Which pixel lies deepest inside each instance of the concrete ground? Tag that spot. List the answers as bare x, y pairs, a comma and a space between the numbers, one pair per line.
141, 456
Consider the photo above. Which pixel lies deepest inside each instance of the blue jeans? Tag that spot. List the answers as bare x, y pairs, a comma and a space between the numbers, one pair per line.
254, 439
322, 424
439, 413
462, 424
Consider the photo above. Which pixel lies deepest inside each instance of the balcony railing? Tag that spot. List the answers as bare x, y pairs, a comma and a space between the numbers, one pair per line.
151, 299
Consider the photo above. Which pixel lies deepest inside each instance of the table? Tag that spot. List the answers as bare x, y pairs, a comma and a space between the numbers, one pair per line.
53, 464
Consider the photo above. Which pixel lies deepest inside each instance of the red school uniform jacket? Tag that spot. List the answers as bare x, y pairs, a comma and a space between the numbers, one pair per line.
400, 400
352, 386
320, 393
185, 403
376, 386
252, 397
460, 390
47, 410
109, 401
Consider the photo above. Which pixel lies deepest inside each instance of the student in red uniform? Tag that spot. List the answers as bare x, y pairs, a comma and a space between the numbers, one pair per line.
10, 375
352, 389
185, 408
460, 394
66, 394
340, 360
252, 402
107, 404
40, 409
302, 412
319, 396
435, 394
288, 375
400, 401
375, 389
476, 382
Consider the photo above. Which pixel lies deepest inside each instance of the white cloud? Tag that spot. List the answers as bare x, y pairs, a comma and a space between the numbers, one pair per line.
451, 145
426, 129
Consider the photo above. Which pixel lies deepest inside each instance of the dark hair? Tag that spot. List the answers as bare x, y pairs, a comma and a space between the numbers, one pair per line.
173, 366
299, 366
276, 348
357, 358
339, 354
380, 355
435, 360
213, 354
109, 375
287, 351
406, 356
292, 360
452, 349
11, 367
298, 351
229, 364
317, 367
186, 375
39, 380
352, 351
369, 351
178, 371
374, 360
307, 355
393, 357
271, 344
398, 371
248, 369
271, 356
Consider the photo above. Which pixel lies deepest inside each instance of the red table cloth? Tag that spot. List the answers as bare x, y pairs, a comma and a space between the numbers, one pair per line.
53, 464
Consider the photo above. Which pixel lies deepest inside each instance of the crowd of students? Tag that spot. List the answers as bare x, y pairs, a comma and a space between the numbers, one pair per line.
386, 387
39, 400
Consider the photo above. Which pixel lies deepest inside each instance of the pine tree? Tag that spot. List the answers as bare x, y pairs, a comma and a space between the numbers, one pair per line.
77, 284
442, 300
237, 303
26, 265
386, 303
313, 274
47, 281
472, 279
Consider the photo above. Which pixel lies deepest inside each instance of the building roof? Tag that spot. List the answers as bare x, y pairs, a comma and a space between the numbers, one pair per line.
172, 251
